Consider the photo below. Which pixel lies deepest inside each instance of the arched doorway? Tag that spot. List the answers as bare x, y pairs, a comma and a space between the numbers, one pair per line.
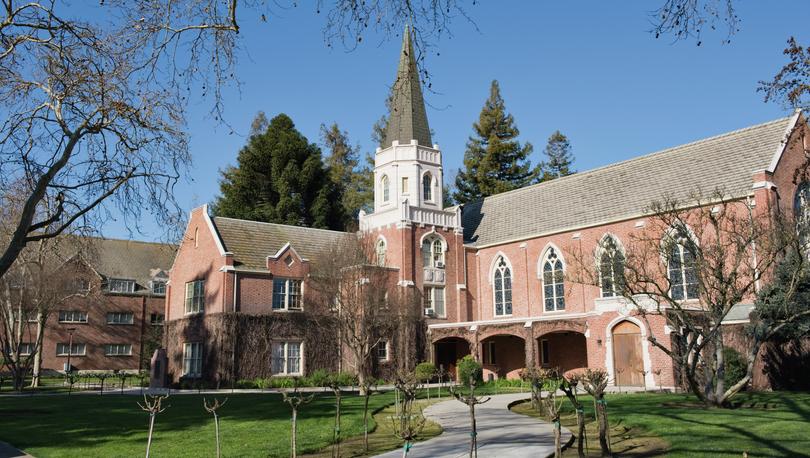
503, 356
628, 364
447, 351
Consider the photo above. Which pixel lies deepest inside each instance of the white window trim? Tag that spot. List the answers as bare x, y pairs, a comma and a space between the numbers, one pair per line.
385, 189
387, 351
152, 287
541, 272
381, 248
121, 323
189, 346
301, 367
492, 282
432, 307
70, 350
599, 252
432, 197
73, 321
117, 355
189, 310
682, 272
286, 307
131, 285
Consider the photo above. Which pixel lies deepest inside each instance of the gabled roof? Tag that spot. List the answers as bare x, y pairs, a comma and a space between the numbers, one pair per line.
408, 119
623, 190
251, 242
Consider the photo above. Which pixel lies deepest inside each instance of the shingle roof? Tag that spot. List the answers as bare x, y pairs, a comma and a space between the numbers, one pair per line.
129, 259
623, 190
252, 241
408, 120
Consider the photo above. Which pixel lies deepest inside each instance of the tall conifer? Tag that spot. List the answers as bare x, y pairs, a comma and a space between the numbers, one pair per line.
280, 178
494, 161
560, 159
354, 181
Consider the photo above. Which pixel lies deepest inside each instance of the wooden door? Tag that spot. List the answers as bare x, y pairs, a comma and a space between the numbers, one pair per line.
628, 365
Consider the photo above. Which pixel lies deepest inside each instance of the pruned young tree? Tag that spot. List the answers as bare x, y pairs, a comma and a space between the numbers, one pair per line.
471, 400
408, 423
595, 381
692, 263
366, 305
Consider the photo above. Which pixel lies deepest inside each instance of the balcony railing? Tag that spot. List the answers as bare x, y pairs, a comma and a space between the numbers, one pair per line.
434, 275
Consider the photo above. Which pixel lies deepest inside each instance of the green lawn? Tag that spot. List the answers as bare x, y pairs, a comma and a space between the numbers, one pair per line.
113, 425
765, 424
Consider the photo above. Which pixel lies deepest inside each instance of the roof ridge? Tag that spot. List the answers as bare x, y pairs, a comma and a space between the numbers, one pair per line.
637, 158
280, 224
116, 239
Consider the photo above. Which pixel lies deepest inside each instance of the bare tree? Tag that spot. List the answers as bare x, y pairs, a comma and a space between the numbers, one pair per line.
367, 307
407, 424
295, 400
692, 263
595, 381
212, 409
153, 405
569, 387
685, 19
471, 400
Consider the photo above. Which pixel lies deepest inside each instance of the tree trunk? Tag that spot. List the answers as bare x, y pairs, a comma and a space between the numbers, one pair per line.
216, 430
473, 433
365, 420
292, 433
557, 438
38, 349
149, 438
580, 431
336, 433
601, 416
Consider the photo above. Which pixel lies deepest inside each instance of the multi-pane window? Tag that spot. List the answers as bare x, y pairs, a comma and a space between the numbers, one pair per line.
386, 188
118, 350
78, 349
433, 252
611, 268
26, 349
118, 285
286, 294
434, 300
72, 316
801, 209
682, 272
195, 296
192, 359
81, 285
382, 350
553, 286
286, 358
502, 285
381, 252
427, 187
120, 318
156, 319
159, 287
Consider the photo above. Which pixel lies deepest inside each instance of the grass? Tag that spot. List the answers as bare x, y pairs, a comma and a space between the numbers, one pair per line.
647, 424
251, 425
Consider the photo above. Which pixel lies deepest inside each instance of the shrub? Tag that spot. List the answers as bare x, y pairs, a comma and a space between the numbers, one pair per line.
469, 368
736, 366
345, 379
281, 382
318, 378
425, 371
262, 383
246, 384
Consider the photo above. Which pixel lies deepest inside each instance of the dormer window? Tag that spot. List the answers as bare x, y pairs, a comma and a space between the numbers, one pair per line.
118, 285
286, 294
159, 287
427, 187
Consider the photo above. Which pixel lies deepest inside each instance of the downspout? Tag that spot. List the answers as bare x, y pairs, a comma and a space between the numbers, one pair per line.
234, 338
143, 331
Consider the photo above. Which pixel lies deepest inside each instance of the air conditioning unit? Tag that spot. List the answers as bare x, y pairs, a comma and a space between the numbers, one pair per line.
429, 312
440, 265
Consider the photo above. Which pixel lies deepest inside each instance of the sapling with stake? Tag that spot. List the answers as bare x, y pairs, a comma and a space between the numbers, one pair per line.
153, 405
212, 409
295, 400
334, 384
471, 400
569, 387
595, 381
407, 425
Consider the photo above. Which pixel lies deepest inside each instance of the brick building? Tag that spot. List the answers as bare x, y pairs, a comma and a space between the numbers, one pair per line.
123, 309
491, 274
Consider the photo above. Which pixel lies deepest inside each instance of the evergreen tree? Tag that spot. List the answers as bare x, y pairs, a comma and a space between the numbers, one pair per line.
280, 178
560, 159
494, 161
354, 182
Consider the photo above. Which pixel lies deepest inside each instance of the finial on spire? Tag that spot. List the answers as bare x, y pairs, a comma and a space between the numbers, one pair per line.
408, 119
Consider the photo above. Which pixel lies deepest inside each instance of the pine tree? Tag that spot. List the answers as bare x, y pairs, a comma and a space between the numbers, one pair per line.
280, 178
354, 182
560, 159
494, 161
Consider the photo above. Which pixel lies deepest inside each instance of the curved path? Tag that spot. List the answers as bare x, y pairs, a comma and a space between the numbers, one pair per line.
501, 432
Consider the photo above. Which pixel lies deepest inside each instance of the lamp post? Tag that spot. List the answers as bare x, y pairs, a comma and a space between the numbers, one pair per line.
70, 352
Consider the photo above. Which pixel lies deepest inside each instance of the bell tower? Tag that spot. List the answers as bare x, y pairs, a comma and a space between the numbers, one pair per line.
408, 172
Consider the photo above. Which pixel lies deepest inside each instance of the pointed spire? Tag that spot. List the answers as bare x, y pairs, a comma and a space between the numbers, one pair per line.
408, 120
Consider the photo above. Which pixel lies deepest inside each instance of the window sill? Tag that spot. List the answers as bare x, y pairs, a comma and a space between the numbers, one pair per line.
291, 374
118, 356
72, 356
502, 316
73, 322
194, 313
121, 324
289, 310
553, 311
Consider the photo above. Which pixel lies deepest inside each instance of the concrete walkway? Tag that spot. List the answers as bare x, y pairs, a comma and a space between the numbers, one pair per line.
7, 451
501, 433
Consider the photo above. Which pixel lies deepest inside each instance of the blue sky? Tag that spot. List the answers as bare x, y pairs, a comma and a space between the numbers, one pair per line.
590, 69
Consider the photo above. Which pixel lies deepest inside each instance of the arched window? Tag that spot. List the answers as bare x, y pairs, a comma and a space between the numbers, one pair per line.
681, 265
801, 209
502, 287
386, 188
380, 252
611, 267
553, 287
433, 252
427, 187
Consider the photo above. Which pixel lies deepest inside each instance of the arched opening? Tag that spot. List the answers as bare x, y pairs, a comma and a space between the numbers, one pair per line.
628, 363
503, 356
447, 351
562, 350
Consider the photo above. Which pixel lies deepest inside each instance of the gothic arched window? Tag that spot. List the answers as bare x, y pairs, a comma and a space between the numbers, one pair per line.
380, 252
433, 252
427, 187
682, 266
801, 210
553, 286
386, 188
502, 287
611, 267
